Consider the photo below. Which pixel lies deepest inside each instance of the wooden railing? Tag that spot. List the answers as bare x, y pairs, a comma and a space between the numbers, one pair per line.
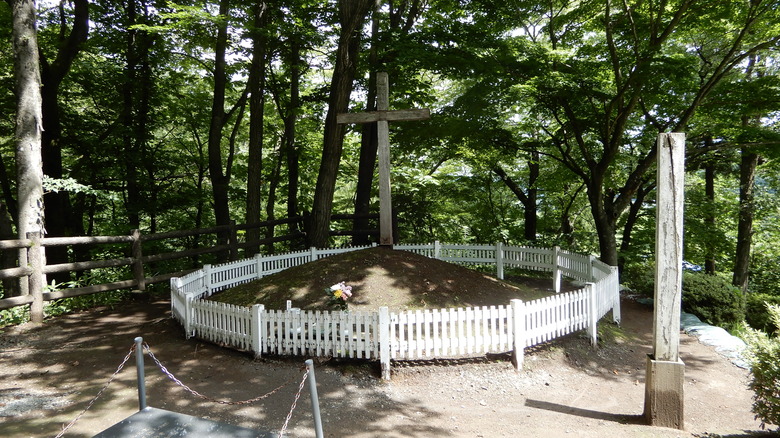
33, 271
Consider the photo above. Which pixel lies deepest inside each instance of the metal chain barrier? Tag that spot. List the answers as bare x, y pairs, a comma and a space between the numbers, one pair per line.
118, 370
205, 397
187, 388
295, 402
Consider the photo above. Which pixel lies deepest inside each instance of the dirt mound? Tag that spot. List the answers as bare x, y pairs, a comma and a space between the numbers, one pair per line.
385, 277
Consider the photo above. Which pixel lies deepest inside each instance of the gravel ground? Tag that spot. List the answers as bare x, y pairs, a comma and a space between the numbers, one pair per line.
48, 374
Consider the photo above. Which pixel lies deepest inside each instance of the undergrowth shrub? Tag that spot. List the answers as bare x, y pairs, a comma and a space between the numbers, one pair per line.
764, 275
756, 314
713, 299
640, 278
764, 356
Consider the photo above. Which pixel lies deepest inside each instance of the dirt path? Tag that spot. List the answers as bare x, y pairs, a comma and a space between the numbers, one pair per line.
49, 373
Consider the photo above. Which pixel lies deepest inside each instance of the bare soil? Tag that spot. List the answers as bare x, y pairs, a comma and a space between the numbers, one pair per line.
380, 276
49, 373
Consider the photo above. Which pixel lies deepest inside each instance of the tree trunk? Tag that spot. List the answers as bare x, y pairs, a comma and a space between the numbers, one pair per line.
747, 178
606, 224
633, 216
27, 85
220, 180
273, 185
130, 145
256, 123
58, 210
709, 216
290, 144
369, 144
368, 156
530, 217
352, 14
9, 258
527, 199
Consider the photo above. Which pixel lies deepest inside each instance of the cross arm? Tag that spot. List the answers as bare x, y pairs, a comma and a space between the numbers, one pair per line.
390, 116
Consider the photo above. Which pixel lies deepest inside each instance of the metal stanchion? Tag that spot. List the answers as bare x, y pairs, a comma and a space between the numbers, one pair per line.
315, 402
139, 364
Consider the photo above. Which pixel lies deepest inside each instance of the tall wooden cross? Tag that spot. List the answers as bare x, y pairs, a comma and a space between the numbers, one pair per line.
382, 116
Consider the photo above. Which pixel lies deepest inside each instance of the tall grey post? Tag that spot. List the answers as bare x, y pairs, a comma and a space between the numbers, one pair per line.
664, 402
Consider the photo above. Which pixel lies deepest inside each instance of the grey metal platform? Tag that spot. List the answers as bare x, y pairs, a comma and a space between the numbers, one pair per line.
159, 423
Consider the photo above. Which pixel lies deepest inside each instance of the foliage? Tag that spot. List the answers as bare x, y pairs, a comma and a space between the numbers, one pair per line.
710, 297
713, 299
765, 275
756, 314
14, 316
764, 355
20, 315
68, 305
640, 278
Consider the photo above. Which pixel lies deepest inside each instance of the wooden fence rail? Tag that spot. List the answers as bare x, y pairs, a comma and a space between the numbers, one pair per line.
138, 260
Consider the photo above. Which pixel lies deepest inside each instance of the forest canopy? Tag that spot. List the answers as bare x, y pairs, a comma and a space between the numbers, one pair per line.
165, 115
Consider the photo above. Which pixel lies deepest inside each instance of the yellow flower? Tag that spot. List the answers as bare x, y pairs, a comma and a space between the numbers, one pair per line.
337, 293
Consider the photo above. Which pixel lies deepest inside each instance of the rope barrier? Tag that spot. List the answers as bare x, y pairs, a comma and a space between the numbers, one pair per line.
178, 382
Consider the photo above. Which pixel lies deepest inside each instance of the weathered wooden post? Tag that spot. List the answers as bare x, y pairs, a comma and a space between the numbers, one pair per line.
36, 283
138, 262
665, 371
382, 116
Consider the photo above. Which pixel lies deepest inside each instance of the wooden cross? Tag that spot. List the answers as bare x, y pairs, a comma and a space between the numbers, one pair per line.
382, 116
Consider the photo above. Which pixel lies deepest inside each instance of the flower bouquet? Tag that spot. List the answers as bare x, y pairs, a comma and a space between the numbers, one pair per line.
338, 295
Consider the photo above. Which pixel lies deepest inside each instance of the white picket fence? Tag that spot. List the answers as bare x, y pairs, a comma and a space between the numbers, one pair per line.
417, 334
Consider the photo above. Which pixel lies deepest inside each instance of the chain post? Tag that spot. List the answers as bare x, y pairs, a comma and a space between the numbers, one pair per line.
315, 401
139, 364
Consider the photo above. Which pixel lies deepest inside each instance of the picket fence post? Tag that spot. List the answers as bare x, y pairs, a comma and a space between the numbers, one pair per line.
259, 266
257, 330
207, 279
518, 333
384, 341
188, 317
500, 260
556, 268
313, 251
591, 260
615, 292
592, 313
436, 250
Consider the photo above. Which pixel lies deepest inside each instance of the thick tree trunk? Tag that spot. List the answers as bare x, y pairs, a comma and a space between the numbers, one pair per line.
747, 178
58, 209
220, 180
606, 224
256, 123
352, 14
369, 144
367, 166
27, 84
